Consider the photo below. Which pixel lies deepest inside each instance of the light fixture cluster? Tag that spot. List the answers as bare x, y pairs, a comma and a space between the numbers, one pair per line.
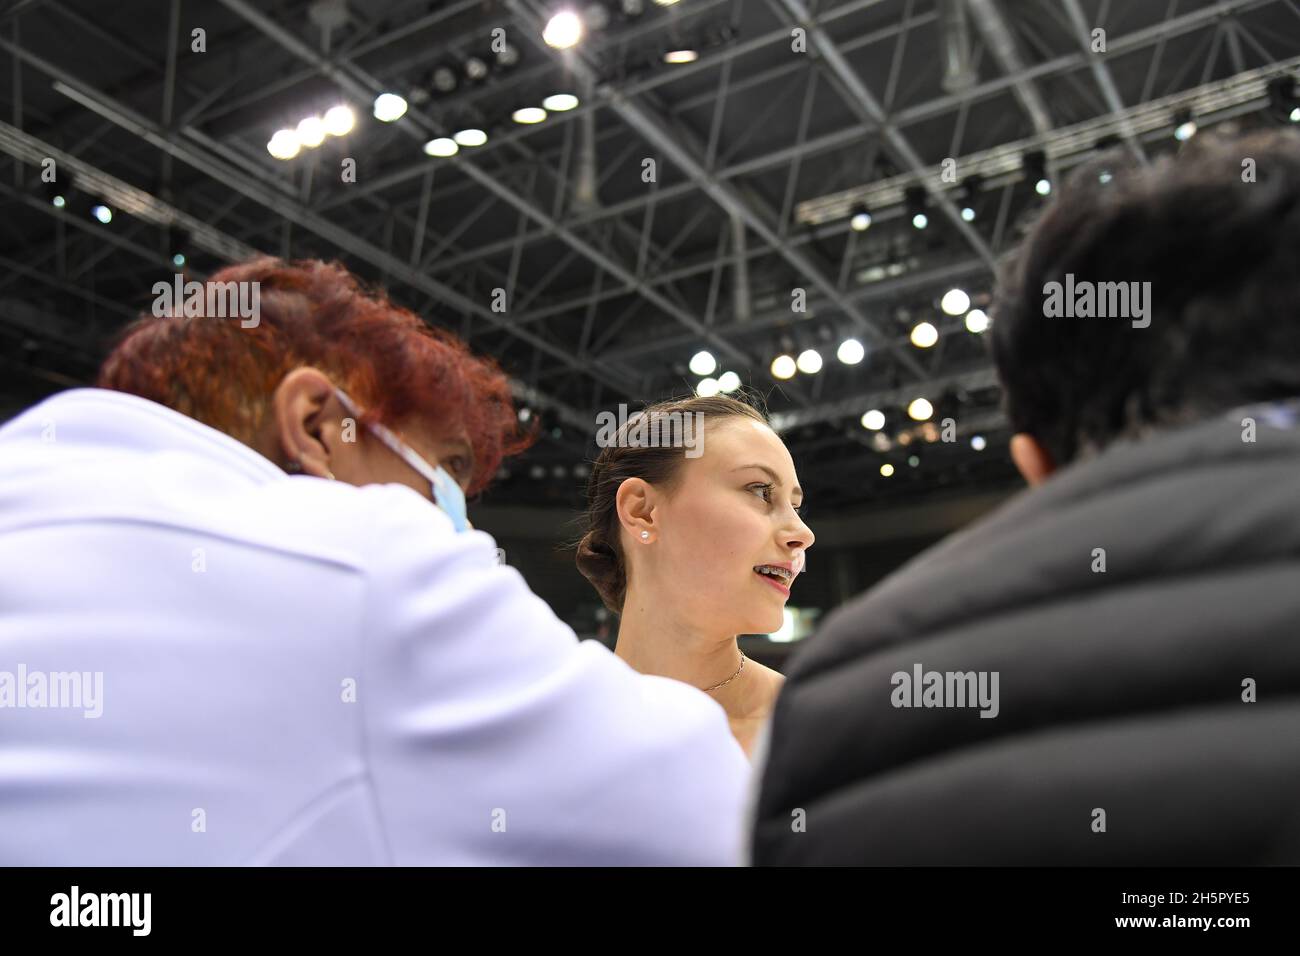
954, 302
454, 74
62, 196
472, 136
891, 431
311, 131
916, 203
785, 365
809, 361
703, 363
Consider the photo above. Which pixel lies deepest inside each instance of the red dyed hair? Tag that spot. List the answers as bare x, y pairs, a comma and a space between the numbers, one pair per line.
316, 313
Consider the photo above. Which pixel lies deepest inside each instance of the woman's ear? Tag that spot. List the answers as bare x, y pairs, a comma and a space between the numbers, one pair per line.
1031, 458
634, 502
301, 407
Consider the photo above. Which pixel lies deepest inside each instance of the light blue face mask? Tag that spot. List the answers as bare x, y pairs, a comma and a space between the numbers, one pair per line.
447, 493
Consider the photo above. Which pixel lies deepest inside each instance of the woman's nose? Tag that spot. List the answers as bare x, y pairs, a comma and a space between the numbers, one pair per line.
801, 537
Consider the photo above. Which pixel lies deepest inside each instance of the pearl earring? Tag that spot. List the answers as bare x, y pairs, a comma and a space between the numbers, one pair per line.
645, 535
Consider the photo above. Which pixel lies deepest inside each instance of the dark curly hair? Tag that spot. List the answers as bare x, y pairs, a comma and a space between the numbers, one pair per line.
599, 552
1222, 254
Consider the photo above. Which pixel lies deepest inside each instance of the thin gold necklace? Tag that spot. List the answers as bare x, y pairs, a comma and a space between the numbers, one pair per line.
709, 690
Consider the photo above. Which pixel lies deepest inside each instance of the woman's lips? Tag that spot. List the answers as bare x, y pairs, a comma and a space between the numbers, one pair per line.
775, 583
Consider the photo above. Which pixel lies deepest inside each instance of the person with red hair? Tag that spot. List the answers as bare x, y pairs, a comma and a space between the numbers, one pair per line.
285, 654
317, 328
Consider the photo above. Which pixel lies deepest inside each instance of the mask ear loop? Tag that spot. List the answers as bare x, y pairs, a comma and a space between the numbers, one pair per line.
394, 444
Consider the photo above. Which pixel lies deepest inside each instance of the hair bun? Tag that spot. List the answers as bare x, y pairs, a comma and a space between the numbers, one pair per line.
602, 566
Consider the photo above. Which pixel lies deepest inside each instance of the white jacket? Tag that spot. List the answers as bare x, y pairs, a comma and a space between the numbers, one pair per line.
297, 671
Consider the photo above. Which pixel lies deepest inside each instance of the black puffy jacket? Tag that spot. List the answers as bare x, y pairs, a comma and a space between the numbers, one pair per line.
1123, 733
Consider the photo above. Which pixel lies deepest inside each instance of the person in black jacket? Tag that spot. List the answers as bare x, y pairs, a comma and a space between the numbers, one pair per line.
1106, 670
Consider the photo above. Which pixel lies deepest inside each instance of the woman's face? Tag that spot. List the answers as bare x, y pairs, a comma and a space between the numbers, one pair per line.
731, 510
310, 425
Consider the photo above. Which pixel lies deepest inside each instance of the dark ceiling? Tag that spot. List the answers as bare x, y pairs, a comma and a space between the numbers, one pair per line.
761, 146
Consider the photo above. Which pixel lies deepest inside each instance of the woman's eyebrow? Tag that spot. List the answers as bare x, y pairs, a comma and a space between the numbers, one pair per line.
771, 474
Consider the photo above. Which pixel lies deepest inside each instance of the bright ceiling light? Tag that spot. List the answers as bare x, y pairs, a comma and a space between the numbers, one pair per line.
470, 137
976, 321
783, 367
681, 56
955, 302
102, 213
389, 107
810, 361
920, 409
284, 144
442, 146
311, 132
339, 120
707, 387
886, 469
873, 420
924, 335
728, 381
850, 352
528, 115
560, 102
563, 30
703, 363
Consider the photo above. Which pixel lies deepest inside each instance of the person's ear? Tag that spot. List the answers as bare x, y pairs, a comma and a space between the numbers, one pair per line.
305, 422
1032, 459
635, 502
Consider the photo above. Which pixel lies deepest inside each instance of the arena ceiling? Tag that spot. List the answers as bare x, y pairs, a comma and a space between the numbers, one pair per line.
792, 117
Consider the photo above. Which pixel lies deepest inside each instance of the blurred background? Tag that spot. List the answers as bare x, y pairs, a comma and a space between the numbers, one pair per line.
806, 199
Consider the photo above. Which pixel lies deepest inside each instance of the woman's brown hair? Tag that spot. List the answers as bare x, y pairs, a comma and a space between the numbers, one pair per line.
599, 552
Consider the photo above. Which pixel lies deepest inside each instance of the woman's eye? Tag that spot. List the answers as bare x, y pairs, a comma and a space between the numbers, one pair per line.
458, 464
765, 489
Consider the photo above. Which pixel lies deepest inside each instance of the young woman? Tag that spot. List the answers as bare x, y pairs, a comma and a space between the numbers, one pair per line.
694, 546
